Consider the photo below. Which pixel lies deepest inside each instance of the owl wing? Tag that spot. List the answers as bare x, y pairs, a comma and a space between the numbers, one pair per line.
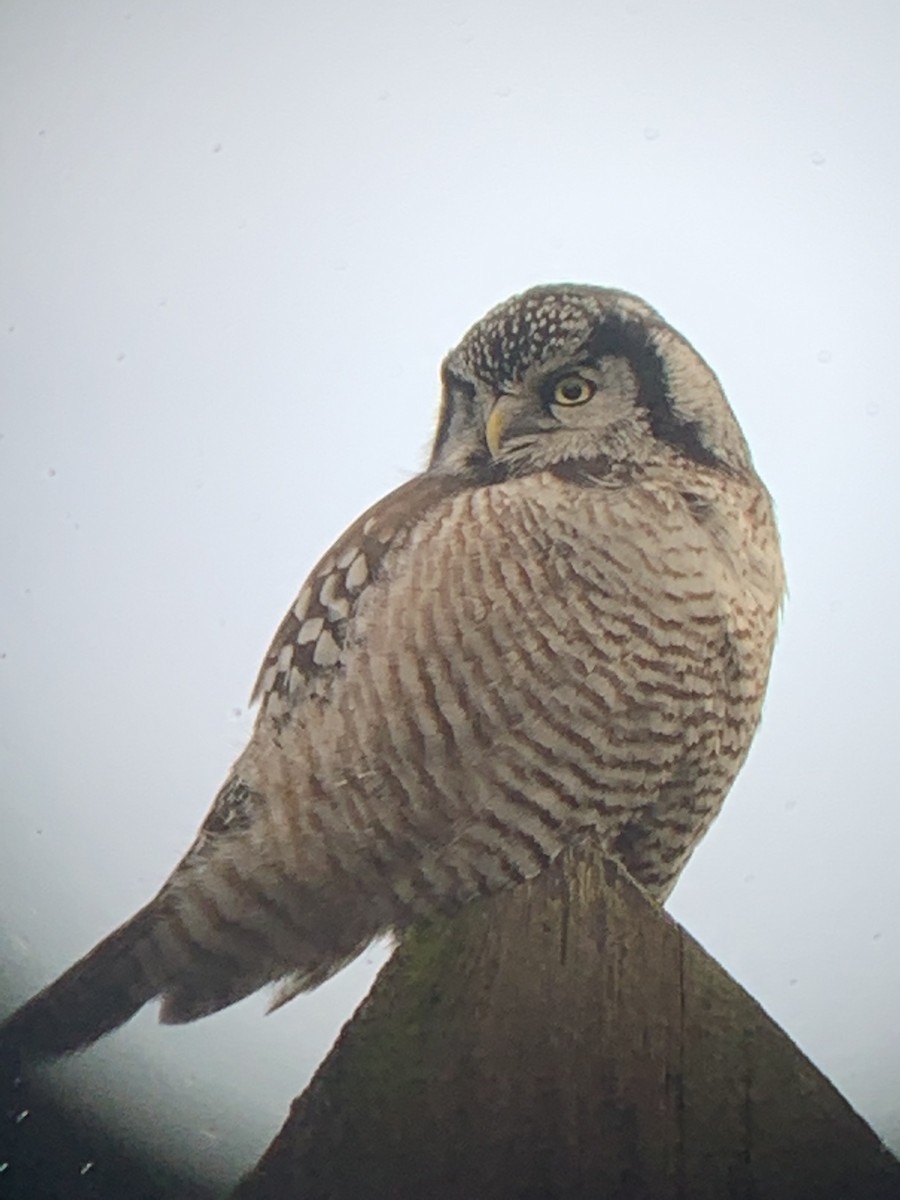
311, 644
216, 932
308, 646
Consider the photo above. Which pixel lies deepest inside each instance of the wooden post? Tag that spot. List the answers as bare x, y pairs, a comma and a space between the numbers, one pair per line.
567, 1039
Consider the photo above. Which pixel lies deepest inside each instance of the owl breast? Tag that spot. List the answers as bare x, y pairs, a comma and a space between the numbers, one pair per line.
536, 661
561, 629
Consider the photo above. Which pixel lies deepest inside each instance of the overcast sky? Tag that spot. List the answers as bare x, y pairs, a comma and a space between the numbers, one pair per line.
237, 240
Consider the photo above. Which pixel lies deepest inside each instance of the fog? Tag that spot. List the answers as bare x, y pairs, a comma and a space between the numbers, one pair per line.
238, 240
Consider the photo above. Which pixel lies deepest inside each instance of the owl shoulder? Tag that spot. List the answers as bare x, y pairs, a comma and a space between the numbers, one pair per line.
310, 643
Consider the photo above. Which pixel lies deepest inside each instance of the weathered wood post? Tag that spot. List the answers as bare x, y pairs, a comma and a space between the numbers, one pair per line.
567, 1039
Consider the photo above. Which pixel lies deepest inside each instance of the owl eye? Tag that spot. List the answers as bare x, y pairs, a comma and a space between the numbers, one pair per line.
573, 389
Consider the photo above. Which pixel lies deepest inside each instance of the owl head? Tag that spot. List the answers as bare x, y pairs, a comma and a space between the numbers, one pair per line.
571, 373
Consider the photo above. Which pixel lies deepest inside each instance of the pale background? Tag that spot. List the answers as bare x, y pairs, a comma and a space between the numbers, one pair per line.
237, 240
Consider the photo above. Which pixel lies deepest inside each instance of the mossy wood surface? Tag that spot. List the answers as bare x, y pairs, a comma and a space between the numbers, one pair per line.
567, 1039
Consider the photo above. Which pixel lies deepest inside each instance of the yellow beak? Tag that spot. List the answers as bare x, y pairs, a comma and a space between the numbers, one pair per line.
499, 419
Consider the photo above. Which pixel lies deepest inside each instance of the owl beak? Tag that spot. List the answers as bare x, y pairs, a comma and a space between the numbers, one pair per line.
503, 413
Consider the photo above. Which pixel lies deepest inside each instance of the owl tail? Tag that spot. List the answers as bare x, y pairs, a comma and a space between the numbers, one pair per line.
96, 995
224, 924
150, 956
197, 946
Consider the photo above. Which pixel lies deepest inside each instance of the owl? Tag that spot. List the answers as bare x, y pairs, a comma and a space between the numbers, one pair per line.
560, 630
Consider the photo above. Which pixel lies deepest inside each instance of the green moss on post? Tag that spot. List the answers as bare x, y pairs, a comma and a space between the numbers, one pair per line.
567, 1039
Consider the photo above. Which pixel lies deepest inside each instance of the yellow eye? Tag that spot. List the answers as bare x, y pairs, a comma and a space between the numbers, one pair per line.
573, 389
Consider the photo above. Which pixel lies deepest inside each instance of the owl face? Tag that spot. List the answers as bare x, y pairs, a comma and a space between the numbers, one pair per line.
578, 373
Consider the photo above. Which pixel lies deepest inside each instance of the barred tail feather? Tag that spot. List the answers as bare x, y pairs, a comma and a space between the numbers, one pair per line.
96, 995
220, 929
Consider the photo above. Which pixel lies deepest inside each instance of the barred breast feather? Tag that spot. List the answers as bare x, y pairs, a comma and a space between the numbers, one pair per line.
562, 629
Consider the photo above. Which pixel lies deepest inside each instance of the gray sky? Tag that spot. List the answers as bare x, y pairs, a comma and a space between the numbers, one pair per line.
238, 238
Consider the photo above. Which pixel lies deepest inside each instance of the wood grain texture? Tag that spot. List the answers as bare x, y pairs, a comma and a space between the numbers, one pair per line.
567, 1039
